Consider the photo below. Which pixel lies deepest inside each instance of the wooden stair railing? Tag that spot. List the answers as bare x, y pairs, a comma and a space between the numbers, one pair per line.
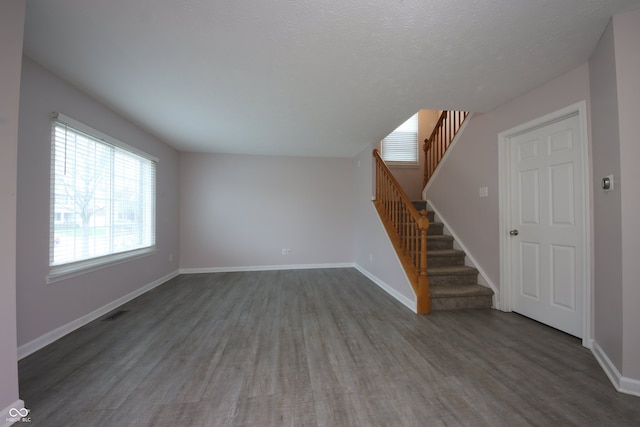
441, 138
407, 229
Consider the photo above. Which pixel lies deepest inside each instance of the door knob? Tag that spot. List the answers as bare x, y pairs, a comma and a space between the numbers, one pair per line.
514, 232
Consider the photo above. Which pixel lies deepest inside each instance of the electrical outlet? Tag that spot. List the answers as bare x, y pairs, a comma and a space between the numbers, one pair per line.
288, 251
170, 257
284, 251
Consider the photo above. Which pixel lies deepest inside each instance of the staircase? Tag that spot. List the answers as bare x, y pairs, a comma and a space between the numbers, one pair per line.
452, 284
436, 270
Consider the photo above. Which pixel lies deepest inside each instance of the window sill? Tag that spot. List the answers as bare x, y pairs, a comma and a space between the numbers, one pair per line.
58, 273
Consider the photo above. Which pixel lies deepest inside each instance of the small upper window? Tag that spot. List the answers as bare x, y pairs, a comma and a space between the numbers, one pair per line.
401, 145
102, 199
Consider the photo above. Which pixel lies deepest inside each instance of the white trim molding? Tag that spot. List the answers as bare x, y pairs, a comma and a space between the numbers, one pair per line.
46, 339
506, 299
620, 383
411, 305
66, 271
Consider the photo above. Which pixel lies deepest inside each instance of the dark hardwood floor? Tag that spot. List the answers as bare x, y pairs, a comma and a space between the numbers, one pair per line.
313, 348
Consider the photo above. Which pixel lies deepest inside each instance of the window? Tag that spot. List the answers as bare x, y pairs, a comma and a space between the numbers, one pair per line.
401, 145
102, 200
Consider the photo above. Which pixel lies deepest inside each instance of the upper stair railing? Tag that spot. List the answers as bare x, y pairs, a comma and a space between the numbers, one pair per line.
441, 138
407, 229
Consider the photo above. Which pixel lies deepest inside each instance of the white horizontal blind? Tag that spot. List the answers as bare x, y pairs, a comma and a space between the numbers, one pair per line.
401, 145
102, 198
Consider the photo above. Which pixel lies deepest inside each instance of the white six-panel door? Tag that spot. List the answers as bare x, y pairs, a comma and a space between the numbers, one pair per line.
547, 222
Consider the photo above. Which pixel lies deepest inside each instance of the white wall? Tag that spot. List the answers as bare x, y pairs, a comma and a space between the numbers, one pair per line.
44, 307
626, 28
615, 97
11, 30
374, 253
607, 217
239, 212
473, 163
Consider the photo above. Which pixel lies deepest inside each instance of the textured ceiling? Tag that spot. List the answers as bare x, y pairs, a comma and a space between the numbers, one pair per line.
306, 77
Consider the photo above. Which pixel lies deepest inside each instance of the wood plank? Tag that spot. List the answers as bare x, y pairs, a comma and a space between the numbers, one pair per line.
313, 348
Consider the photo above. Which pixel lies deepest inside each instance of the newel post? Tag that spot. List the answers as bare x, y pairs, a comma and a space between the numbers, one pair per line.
423, 295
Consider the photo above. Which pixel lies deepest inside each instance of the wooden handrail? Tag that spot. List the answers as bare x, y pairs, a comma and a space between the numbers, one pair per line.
407, 229
441, 138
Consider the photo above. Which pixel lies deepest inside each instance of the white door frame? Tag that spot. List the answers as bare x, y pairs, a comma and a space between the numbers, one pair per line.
504, 186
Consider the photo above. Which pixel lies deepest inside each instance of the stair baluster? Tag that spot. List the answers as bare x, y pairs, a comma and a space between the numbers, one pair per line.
407, 229
445, 283
441, 138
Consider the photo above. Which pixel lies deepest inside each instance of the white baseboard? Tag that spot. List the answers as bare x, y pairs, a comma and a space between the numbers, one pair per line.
483, 279
411, 305
263, 268
620, 383
46, 339
7, 419
630, 386
607, 365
